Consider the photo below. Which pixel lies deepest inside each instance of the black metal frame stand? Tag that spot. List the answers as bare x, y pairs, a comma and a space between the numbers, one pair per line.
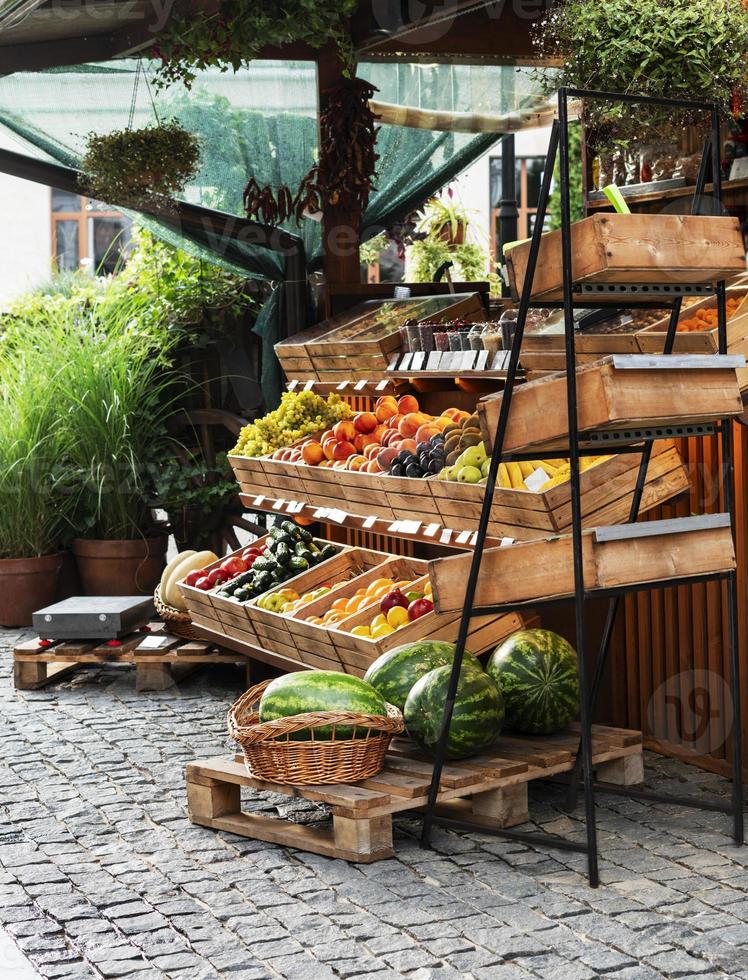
559, 145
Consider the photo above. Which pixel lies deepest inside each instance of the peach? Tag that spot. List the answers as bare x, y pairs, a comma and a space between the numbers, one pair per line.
426, 432
442, 422
344, 430
385, 408
390, 436
407, 445
385, 457
407, 404
365, 422
328, 446
295, 456
355, 462
326, 462
339, 464
327, 434
372, 467
379, 431
312, 453
342, 450
411, 423
371, 451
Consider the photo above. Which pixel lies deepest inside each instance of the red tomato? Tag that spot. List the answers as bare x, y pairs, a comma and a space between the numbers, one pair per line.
217, 577
249, 555
204, 584
192, 577
234, 566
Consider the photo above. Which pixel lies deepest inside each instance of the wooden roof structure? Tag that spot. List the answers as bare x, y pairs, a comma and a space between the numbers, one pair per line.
39, 34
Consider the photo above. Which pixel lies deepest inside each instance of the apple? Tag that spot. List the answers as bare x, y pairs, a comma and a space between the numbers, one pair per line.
217, 577
192, 577
234, 566
204, 584
419, 608
393, 598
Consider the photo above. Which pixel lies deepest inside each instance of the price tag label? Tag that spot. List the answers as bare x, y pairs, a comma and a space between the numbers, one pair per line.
394, 528
339, 516
402, 292
474, 539
410, 527
308, 385
156, 642
481, 360
505, 542
446, 536
405, 362
382, 385
434, 360
342, 386
360, 385
451, 360
536, 479
467, 360
392, 366
430, 530
416, 363
369, 522
294, 506
293, 384
500, 360
278, 504
258, 499
320, 513
463, 537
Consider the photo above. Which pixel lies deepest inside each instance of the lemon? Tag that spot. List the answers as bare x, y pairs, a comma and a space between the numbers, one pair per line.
361, 631
384, 629
379, 620
397, 616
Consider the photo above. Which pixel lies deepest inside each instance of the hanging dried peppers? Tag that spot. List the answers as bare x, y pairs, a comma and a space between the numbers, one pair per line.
343, 176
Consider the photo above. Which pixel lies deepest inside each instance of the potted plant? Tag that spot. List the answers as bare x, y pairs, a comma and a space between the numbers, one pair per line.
140, 167
444, 220
32, 514
687, 49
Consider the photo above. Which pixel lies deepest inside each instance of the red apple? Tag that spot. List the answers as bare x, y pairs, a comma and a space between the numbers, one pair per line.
419, 608
217, 577
192, 577
204, 584
394, 598
234, 566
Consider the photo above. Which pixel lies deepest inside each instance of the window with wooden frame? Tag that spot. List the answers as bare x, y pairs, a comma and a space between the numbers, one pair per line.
87, 234
528, 176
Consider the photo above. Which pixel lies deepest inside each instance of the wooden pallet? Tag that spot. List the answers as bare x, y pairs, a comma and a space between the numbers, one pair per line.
35, 666
489, 790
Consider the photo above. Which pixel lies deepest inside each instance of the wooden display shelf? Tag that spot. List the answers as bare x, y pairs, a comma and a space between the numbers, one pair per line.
651, 340
35, 666
373, 386
489, 790
655, 195
617, 393
614, 557
399, 502
633, 249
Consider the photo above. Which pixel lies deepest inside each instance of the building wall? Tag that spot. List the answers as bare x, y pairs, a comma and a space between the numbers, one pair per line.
25, 245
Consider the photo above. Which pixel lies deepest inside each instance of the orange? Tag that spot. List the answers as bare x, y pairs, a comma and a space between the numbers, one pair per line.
339, 604
379, 583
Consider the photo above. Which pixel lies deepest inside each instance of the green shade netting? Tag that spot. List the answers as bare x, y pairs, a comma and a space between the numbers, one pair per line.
262, 121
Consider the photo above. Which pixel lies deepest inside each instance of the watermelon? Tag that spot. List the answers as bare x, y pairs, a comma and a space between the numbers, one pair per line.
395, 672
320, 690
476, 720
538, 674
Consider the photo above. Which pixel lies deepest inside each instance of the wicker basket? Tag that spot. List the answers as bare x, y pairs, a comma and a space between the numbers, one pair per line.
176, 621
271, 754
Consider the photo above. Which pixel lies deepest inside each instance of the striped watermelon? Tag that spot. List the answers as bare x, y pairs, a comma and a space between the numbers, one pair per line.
395, 672
538, 673
476, 720
320, 690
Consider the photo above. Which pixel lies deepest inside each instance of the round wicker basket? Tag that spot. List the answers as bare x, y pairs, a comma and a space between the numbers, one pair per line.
271, 754
176, 621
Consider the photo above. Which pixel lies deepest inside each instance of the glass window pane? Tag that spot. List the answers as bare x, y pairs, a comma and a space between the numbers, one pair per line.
66, 245
109, 240
65, 201
93, 205
535, 167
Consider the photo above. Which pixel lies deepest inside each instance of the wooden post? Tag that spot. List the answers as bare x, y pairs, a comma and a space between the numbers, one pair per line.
340, 229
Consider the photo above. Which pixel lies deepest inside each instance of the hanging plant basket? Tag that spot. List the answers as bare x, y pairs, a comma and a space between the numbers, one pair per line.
140, 167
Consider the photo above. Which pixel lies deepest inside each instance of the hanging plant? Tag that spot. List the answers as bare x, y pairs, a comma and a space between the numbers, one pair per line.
140, 167
343, 177
238, 30
687, 49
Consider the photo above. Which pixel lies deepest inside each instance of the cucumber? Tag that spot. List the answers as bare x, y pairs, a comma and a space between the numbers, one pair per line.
329, 551
283, 554
290, 528
297, 565
304, 534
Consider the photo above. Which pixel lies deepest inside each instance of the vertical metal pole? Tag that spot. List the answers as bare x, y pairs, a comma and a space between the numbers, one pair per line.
576, 498
641, 479
728, 477
508, 212
496, 453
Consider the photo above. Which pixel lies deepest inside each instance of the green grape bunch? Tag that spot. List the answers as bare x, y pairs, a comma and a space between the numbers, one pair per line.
298, 415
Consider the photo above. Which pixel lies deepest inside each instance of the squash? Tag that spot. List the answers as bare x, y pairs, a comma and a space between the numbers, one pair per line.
173, 596
169, 569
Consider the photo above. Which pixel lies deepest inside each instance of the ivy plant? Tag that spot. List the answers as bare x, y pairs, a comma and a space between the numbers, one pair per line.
235, 32
687, 49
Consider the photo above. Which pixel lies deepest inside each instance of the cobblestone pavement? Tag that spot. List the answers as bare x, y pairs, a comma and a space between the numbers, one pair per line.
102, 874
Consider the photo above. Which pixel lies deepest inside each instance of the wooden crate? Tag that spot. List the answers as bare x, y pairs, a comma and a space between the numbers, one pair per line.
607, 489
538, 570
35, 665
652, 339
489, 790
632, 249
612, 396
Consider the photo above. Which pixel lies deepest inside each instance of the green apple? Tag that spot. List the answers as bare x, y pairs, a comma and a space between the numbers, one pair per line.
469, 474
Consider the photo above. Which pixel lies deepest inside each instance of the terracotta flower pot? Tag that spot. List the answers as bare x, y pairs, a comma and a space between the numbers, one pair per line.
127, 567
458, 238
27, 584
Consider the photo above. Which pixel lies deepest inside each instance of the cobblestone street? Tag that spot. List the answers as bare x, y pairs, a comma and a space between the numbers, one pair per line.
102, 874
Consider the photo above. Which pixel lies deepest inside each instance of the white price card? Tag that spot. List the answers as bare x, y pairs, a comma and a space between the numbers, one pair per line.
467, 360
394, 528
434, 360
505, 542
382, 385
342, 386
294, 506
293, 384
536, 479
360, 385
278, 504
156, 642
410, 527
452, 359
369, 522
446, 536
430, 530
401, 292
257, 502
339, 516
392, 366
416, 363
500, 360
463, 537
321, 513
308, 385
405, 362
474, 539
481, 361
